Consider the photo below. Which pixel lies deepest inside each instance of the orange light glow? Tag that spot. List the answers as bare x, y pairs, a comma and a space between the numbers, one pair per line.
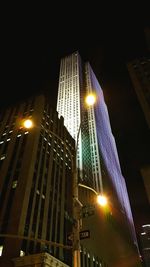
102, 200
28, 123
90, 100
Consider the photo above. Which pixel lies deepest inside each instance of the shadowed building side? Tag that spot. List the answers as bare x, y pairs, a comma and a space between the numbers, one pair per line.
35, 184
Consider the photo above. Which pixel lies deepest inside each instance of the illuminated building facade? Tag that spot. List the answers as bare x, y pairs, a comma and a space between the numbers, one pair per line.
96, 143
98, 161
35, 184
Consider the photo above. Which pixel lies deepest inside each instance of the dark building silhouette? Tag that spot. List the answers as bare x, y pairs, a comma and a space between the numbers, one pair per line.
145, 172
139, 71
35, 184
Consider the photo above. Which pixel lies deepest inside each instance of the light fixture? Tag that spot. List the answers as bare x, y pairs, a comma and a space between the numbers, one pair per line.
90, 99
102, 200
27, 123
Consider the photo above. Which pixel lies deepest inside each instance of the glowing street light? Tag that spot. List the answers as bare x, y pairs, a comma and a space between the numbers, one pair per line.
102, 200
90, 99
28, 123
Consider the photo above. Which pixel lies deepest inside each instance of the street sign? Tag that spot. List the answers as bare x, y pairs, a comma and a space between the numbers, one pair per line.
84, 234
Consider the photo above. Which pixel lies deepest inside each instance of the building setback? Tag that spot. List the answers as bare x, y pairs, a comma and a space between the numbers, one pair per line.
36, 182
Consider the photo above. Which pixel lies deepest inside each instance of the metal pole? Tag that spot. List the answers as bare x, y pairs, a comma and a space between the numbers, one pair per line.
76, 211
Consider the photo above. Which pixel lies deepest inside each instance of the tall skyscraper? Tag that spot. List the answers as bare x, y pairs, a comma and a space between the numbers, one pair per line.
35, 184
97, 157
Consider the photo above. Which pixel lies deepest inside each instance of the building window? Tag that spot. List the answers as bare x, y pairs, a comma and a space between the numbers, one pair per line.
2, 157
14, 184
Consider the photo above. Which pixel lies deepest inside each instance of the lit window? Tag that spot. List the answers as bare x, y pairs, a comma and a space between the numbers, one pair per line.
14, 184
2, 157
1, 249
145, 225
22, 253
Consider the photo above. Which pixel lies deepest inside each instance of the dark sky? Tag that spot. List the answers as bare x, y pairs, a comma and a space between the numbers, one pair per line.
33, 43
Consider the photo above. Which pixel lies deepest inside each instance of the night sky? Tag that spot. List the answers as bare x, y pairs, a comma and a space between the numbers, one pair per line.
32, 46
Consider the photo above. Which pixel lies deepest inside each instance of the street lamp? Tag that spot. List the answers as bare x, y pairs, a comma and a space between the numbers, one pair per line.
90, 99
77, 205
27, 123
100, 199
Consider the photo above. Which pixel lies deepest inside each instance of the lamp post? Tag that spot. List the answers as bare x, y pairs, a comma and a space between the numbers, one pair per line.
101, 200
77, 205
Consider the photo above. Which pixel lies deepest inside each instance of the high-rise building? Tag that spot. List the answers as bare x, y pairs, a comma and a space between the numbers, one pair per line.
35, 185
97, 157
139, 71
